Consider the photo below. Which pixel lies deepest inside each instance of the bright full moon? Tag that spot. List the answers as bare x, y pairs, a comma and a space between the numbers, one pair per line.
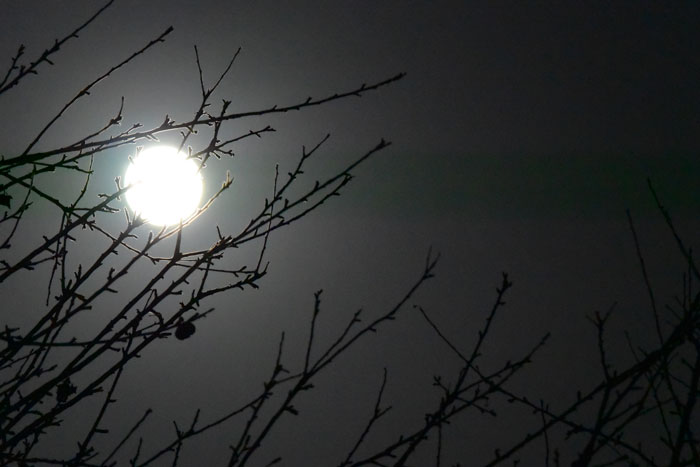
167, 186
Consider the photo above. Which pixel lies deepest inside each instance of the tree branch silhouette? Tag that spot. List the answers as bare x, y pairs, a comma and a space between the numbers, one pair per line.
47, 373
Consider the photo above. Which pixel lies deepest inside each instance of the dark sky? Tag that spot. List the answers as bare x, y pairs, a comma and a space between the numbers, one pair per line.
522, 132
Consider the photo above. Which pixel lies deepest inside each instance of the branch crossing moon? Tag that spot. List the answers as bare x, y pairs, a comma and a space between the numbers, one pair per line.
166, 185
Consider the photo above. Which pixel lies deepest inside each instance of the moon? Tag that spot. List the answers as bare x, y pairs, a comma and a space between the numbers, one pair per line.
165, 185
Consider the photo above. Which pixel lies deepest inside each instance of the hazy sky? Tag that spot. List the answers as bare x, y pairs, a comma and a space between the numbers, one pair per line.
520, 134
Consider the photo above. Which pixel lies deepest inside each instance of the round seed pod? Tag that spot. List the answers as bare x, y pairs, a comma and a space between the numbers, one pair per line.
184, 330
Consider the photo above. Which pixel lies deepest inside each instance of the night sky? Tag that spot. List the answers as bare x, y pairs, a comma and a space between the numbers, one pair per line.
521, 133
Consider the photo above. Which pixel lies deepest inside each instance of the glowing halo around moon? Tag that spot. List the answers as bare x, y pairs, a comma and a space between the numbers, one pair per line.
166, 186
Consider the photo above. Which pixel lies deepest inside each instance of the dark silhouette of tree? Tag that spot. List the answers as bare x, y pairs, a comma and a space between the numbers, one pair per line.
45, 375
